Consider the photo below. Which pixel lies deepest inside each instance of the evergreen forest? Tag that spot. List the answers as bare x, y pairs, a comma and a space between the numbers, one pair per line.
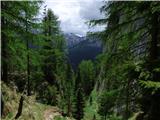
40, 82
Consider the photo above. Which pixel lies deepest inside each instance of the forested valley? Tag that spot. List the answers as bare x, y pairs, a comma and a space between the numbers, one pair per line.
38, 81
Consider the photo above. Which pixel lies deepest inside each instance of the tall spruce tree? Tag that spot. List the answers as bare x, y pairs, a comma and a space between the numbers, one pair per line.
86, 76
69, 89
50, 29
79, 104
53, 53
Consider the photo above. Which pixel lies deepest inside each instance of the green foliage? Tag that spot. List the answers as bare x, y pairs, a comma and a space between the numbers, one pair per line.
86, 76
114, 117
127, 39
36, 51
17, 32
107, 101
53, 47
150, 84
145, 76
26, 48
50, 95
91, 107
79, 105
53, 60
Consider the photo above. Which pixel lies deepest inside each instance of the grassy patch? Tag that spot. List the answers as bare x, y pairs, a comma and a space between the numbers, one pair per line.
31, 109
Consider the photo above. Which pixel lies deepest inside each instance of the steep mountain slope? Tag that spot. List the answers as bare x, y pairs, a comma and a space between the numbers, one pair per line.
73, 39
82, 48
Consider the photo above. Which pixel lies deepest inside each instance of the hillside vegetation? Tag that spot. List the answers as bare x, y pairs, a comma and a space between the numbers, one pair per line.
32, 110
121, 81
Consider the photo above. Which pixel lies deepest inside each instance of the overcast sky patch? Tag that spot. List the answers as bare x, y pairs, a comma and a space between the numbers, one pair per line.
73, 14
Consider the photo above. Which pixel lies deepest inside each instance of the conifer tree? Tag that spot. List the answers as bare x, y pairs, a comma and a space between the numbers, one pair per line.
69, 89
50, 27
53, 54
15, 29
79, 104
86, 76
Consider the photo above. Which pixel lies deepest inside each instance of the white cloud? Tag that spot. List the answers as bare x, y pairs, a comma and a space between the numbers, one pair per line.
74, 13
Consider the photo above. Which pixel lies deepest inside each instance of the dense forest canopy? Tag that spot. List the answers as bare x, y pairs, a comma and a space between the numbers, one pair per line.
121, 83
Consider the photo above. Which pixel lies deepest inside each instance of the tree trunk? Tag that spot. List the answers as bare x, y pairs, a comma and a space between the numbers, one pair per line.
28, 71
20, 108
2, 105
127, 100
154, 37
105, 116
153, 62
4, 41
28, 64
69, 108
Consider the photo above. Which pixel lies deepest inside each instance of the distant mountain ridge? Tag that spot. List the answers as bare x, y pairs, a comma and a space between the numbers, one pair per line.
82, 48
73, 39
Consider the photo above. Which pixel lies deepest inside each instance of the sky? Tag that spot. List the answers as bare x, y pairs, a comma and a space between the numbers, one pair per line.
73, 14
